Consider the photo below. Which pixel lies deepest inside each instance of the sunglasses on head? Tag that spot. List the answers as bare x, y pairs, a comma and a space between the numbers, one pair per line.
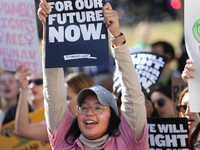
181, 108
36, 81
160, 102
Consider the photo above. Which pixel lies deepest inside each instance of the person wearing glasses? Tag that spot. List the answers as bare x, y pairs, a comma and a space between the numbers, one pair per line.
97, 125
74, 83
184, 110
35, 100
31, 98
162, 101
183, 106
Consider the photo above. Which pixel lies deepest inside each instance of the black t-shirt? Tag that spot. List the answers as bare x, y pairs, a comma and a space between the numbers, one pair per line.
10, 115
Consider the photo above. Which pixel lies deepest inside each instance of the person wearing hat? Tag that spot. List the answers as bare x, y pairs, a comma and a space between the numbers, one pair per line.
97, 125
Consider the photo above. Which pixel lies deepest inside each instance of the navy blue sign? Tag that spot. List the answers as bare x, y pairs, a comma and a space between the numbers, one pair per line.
76, 35
168, 133
149, 67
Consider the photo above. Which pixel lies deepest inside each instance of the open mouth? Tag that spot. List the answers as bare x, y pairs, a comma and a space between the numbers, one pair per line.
190, 121
90, 123
7, 91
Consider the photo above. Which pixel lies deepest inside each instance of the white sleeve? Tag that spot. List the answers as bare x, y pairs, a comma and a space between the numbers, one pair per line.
55, 92
133, 100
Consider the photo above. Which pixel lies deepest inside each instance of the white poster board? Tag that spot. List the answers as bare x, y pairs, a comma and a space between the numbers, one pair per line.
19, 43
192, 40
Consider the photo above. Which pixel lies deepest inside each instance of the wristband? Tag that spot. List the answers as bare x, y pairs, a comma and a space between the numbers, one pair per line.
118, 39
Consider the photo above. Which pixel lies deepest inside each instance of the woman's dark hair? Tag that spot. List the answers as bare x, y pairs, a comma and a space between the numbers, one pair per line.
167, 48
113, 128
193, 136
185, 90
165, 89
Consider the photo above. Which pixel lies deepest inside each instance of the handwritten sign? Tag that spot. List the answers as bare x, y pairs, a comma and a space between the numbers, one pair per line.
19, 44
76, 35
168, 133
192, 40
9, 140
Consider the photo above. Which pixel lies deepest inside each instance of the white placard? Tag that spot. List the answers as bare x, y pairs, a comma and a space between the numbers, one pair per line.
19, 43
192, 40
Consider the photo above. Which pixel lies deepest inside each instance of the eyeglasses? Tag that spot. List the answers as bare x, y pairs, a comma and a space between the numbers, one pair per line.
96, 108
160, 102
181, 108
196, 145
36, 81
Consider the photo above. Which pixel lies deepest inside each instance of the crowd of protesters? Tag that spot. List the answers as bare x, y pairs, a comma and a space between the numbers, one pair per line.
117, 117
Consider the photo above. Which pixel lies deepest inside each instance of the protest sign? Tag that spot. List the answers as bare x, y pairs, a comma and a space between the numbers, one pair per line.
149, 67
177, 87
192, 40
168, 133
19, 43
10, 141
76, 35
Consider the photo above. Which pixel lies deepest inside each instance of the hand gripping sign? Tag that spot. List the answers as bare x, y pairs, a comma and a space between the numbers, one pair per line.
76, 35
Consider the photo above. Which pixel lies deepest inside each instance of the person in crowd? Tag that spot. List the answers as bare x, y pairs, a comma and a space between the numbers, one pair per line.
184, 110
35, 98
162, 100
9, 92
183, 106
166, 49
30, 99
75, 82
98, 127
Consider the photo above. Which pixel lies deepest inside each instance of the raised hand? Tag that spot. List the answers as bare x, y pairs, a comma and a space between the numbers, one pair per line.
21, 77
187, 72
43, 11
111, 20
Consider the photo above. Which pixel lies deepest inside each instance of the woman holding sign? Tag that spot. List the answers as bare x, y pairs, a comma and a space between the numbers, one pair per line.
97, 125
183, 106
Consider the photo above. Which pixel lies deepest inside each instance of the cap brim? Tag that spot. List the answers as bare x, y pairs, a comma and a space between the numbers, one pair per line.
82, 94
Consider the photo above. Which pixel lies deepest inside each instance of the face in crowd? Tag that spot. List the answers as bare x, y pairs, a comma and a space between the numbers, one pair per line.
184, 110
36, 87
71, 100
8, 86
75, 82
163, 104
94, 119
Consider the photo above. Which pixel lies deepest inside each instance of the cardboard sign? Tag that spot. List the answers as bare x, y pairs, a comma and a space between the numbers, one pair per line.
10, 141
19, 43
149, 67
76, 35
192, 40
168, 133
178, 86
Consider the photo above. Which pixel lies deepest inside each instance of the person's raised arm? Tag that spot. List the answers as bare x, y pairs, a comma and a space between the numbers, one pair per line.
187, 72
133, 101
55, 102
22, 126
